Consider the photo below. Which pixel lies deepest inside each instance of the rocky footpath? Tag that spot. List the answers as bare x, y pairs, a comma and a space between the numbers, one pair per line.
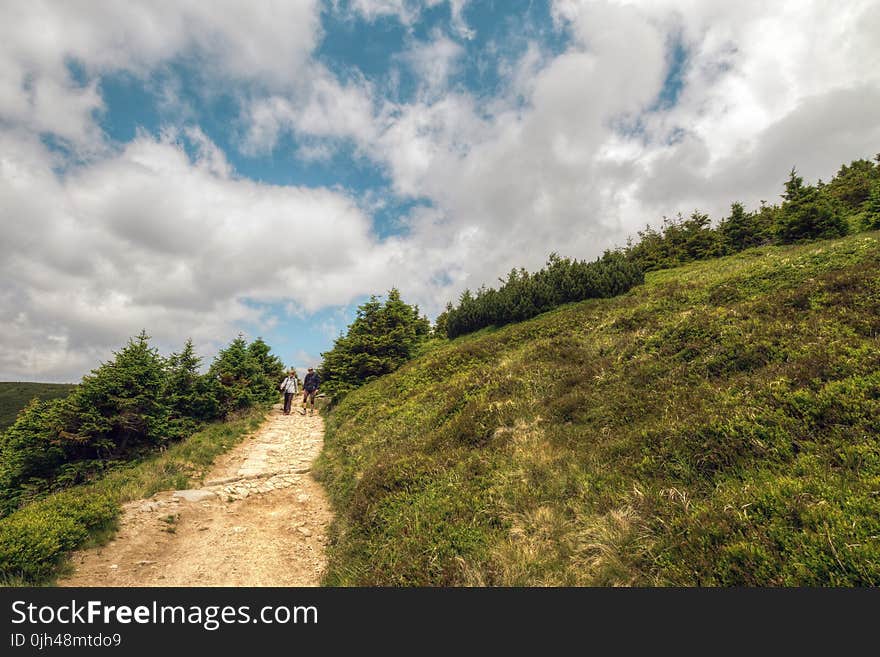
258, 519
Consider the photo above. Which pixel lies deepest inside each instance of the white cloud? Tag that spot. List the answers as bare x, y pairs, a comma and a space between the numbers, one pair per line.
325, 108
766, 91
459, 24
321, 107
149, 238
573, 155
409, 11
764, 88
39, 41
405, 10
530, 174
303, 360
434, 62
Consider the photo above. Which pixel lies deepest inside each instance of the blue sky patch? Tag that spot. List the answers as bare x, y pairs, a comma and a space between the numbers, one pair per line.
677, 60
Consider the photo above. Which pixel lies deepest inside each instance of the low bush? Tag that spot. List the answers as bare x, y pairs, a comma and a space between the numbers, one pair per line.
35, 539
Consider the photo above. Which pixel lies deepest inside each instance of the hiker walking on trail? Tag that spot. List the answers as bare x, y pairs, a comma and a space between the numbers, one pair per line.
290, 386
310, 389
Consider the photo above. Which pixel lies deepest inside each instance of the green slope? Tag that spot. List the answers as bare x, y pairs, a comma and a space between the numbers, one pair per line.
15, 396
716, 426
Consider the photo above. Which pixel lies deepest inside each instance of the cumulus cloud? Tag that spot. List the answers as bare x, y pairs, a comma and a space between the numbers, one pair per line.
593, 154
434, 62
164, 235
408, 11
574, 154
459, 24
51, 54
151, 237
321, 107
764, 89
405, 10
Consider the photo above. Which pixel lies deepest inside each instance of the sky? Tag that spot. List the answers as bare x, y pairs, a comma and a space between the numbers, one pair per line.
203, 169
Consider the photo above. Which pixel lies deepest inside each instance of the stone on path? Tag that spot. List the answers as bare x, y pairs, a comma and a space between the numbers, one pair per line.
194, 495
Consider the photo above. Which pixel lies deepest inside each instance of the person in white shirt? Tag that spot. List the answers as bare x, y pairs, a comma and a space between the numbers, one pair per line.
290, 387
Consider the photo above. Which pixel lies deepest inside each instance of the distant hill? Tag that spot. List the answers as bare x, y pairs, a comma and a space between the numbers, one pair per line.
15, 396
717, 425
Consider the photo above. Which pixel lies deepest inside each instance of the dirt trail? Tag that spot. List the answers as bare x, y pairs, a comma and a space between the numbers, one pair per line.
259, 519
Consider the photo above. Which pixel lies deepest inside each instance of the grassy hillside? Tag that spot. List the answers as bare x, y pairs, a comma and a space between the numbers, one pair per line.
15, 396
716, 426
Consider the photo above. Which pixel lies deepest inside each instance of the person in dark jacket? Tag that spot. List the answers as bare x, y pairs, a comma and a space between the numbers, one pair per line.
310, 389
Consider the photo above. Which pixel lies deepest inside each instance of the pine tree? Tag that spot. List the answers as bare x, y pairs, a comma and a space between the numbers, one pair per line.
794, 186
699, 240
809, 214
233, 371
852, 185
271, 370
441, 324
523, 295
741, 230
30, 452
871, 219
188, 394
382, 337
119, 406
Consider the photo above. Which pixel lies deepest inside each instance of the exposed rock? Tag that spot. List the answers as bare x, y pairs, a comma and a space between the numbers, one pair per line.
194, 495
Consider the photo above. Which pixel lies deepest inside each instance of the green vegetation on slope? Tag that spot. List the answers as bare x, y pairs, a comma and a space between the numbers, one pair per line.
715, 426
15, 396
35, 539
849, 203
136, 403
524, 295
